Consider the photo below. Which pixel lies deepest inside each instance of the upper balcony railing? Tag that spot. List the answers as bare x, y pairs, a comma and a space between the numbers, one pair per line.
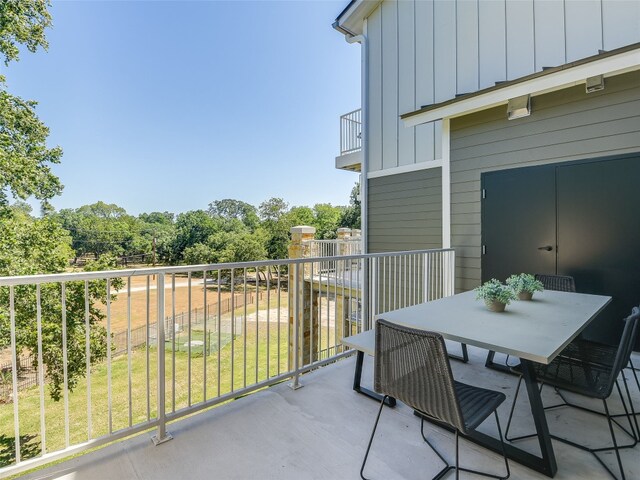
131, 350
351, 132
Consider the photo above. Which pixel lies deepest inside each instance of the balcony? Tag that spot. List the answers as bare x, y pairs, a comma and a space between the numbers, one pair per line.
174, 341
320, 432
350, 157
230, 330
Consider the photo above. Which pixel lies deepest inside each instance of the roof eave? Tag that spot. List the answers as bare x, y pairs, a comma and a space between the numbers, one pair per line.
611, 63
351, 20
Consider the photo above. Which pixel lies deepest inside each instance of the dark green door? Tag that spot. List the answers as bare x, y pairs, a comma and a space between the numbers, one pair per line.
580, 219
518, 222
599, 235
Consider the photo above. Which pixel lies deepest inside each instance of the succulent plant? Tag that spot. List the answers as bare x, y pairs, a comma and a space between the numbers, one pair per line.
524, 282
494, 290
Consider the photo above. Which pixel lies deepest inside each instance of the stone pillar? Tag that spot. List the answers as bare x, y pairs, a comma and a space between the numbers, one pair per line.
307, 300
343, 246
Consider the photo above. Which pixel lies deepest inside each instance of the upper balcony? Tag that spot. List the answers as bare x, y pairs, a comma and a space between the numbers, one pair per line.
350, 157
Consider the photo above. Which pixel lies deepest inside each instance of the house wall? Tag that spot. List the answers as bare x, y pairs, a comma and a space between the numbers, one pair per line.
405, 211
425, 51
563, 126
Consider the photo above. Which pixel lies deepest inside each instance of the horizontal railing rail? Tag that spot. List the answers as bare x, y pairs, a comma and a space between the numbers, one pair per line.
127, 350
351, 132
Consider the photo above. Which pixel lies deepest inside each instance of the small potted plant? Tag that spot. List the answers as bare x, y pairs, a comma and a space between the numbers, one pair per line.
496, 296
524, 285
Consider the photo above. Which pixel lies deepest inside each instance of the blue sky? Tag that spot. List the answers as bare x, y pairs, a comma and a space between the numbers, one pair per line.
171, 105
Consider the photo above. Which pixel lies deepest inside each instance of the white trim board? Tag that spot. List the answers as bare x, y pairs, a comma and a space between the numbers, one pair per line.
414, 167
577, 75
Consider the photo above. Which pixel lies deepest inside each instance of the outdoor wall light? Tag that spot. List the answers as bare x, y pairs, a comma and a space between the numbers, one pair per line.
595, 84
519, 107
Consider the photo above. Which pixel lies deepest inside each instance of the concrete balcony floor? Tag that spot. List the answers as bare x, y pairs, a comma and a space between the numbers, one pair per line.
321, 432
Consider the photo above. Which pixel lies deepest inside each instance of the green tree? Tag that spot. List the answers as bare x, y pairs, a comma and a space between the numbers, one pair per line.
229, 209
192, 227
327, 220
351, 214
273, 213
244, 247
23, 23
102, 228
300, 216
25, 160
31, 246
199, 254
159, 226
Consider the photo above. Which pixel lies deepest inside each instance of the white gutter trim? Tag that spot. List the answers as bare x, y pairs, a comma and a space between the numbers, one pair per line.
610, 66
414, 167
364, 99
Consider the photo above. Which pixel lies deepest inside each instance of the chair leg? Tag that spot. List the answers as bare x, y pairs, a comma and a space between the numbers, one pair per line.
375, 425
457, 466
504, 451
615, 443
457, 455
634, 414
635, 375
631, 432
513, 407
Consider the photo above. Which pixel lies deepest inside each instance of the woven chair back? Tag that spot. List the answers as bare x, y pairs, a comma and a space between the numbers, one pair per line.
627, 341
413, 366
559, 283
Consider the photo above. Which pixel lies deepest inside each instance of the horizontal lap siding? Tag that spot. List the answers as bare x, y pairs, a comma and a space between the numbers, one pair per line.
564, 126
405, 211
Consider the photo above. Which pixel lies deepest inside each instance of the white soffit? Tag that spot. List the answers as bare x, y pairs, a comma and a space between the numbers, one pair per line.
564, 77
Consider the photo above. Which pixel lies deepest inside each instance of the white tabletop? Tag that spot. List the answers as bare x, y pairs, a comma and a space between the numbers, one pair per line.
535, 330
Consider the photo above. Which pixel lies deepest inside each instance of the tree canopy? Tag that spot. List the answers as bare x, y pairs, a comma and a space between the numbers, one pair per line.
25, 159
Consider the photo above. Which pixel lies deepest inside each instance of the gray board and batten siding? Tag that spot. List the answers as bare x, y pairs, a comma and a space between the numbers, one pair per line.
422, 52
564, 126
405, 210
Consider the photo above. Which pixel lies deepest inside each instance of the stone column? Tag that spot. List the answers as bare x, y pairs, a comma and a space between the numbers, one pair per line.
307, 300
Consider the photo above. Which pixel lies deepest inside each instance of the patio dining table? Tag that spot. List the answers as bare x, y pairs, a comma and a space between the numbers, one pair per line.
534, 331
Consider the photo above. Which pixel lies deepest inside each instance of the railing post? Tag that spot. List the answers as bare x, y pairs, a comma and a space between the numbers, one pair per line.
162, 435
295, 384
366, 321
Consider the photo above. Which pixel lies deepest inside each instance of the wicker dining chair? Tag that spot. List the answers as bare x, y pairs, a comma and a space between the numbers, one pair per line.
576, 370
413, 367
559, 283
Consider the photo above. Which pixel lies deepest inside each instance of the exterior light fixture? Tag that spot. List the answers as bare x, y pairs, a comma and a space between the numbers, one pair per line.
519, 107
595, 84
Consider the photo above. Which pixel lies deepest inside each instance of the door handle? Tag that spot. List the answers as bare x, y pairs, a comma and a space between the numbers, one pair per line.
546, 248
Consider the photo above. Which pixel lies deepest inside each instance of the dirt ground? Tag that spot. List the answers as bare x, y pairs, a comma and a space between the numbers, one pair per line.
139, 299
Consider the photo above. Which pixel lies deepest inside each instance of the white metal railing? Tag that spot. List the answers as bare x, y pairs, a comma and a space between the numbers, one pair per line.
259, 324
332, 248
351, 132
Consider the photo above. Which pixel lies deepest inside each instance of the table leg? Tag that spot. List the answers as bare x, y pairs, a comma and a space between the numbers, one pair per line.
464, 358
489, 363
390, 401
546, 462
548, 457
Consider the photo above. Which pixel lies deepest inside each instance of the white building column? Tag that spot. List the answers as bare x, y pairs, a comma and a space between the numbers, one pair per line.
446, 184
